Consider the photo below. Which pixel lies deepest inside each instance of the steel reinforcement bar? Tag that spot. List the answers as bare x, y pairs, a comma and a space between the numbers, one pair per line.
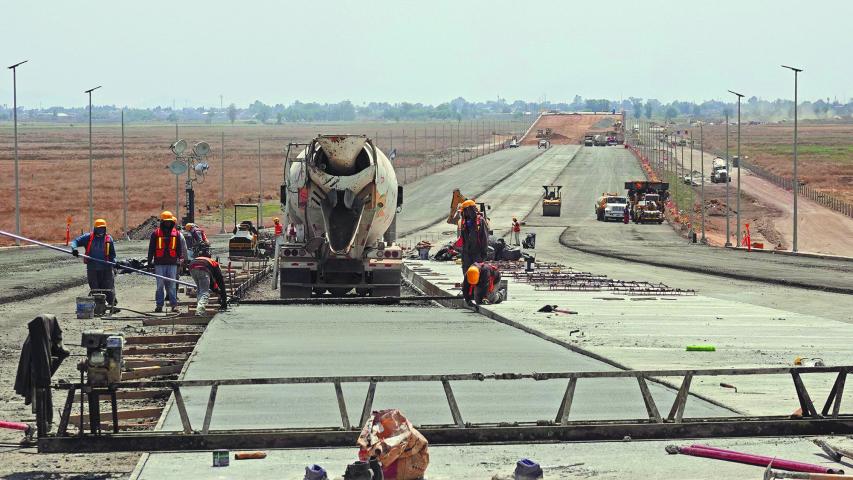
829, 419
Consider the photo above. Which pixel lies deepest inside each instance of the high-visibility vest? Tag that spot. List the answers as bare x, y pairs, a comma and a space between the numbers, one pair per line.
279, 229
107, 240
161, 249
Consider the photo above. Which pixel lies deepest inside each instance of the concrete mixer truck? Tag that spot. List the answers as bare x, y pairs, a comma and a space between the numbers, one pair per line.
341, 195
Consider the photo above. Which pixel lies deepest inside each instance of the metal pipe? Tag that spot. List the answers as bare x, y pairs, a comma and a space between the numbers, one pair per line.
123, 178
86, 257
702, 188
795, 184
728, 176
222, 182
739, 163
91, 179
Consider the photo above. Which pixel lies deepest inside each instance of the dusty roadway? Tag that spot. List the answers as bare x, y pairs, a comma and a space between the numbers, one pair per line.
820, 229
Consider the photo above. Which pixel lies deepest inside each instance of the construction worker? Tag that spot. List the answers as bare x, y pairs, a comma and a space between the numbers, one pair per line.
99, 245
193, 235
207, 276
481, 283
516, 232
291, 233
166, 250
279, 228
474, 234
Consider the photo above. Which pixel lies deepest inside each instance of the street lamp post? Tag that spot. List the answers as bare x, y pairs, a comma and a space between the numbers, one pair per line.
91, 180
14, 69
795, 182
739, 162
702, 188
728, 176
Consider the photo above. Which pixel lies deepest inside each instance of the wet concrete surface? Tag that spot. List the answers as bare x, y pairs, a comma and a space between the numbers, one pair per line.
263, 341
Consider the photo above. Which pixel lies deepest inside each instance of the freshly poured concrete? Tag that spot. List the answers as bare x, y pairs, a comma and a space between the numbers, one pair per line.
255, 342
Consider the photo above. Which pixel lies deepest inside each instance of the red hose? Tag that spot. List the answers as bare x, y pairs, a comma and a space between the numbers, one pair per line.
14, 425
750, 459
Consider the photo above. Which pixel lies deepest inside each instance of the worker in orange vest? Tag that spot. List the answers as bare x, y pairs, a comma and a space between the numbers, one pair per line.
279, 228
166, 250
481, 283
99, 246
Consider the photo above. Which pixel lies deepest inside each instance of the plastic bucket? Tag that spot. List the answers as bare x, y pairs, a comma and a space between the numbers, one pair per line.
85, 307
423, 253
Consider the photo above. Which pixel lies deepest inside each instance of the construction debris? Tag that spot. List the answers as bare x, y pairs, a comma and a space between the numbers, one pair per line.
402, 451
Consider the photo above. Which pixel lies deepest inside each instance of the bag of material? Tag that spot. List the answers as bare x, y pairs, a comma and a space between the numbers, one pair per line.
391, 438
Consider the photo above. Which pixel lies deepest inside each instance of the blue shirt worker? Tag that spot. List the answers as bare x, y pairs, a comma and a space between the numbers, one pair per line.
99, 246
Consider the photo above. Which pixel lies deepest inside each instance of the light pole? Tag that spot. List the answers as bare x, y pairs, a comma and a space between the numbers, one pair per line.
795, 182
728, 176
91, 181
14, 69
739, 162
702, 188
123, 179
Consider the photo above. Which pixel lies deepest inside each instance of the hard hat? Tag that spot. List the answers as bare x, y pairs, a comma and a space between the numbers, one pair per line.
100, 222
173, 218
276, 220
514, 219
469, 203
473, 275
189, 226
165, 215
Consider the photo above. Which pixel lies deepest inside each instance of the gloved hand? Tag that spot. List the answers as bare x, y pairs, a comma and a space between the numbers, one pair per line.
75, 252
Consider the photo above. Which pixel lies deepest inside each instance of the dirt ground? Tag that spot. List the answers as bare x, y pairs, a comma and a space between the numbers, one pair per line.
568, 129
54, 165
825, 152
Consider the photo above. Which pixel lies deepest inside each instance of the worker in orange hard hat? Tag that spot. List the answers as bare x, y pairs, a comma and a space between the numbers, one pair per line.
100, 249
474, 232
482, 283
166, 251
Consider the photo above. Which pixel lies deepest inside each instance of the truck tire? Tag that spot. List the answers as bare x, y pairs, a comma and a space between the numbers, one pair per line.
599, 215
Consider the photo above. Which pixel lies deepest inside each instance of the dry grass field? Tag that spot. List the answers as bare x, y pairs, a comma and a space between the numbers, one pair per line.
54, 165
825, 153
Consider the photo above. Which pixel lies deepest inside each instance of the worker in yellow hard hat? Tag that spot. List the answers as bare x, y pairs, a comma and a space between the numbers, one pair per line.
100, 249
482, 283
167, 249
473, 230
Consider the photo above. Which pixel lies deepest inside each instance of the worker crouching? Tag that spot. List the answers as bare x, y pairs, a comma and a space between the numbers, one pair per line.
100, 247
166, 250
208, 277
481, 284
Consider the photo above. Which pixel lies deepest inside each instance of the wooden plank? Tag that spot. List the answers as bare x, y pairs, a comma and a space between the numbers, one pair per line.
151, 362
146, 372
566, 405
149, 339
125, 414
134, 351
152, 322
134, 395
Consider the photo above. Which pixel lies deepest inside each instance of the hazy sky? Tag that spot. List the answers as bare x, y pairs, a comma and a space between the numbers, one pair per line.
153, 52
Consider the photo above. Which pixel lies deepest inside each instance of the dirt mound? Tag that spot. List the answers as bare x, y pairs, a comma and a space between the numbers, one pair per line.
568, 128
144, 230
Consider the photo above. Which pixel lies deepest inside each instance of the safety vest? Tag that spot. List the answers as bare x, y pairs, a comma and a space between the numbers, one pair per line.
161, 249
516, 227
279, 229
107, 240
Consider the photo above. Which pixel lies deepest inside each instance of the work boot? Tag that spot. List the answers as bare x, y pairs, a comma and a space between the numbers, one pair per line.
173, 309
158, 309
199, 312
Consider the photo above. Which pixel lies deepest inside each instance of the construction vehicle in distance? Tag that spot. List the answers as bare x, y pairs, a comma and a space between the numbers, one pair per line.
543, 143
514, 142
610, 205
552, 201
646, 200
455, 212
244, 237
342, 194
719, 172
544, 133
599, 140
588, 140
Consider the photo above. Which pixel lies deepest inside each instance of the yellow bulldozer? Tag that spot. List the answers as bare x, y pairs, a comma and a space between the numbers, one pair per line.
552, 201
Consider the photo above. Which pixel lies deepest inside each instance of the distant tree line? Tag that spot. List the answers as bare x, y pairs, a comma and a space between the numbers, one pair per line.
457, 109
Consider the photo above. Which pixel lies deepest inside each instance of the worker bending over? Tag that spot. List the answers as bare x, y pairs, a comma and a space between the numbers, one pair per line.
166, 250
99, 245
482, 283
207, 276
474, 233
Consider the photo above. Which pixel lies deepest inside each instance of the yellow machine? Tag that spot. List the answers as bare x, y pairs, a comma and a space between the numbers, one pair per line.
552, 201
244, 238
455, 212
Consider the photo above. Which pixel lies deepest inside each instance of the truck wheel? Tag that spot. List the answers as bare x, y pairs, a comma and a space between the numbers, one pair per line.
599, 216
